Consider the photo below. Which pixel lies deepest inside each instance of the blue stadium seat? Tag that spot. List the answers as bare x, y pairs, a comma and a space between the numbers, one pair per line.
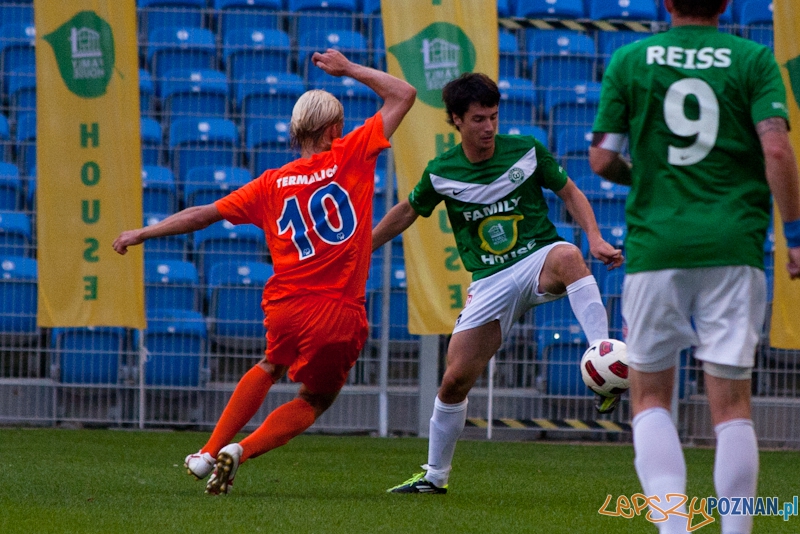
193, 93
205, 185
526, 129
26, 143
554, 9
16, 12
328, 15
12, 191
269, 95
17, 50
151, 141
621, 10
159, 193
572, 147
378, 44
180, 48
88, 355
570, 232
509, 53
248, 51
200, 142
612, 291
503, 8
560, 56
240, 14
593, 185
18, 300
398, 303
609, 41
756, 17
147, 92
224, 242
613, 234
351, 44
518, 101
171, 284
22, 92
154, 14
5, 139
571, 106
173, 247
746, 12
176, 342
268, 145
16, 238
607, 199
359, 101
561, 346
234, 296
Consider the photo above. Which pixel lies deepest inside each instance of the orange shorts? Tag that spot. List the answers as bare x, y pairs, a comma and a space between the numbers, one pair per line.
318, 338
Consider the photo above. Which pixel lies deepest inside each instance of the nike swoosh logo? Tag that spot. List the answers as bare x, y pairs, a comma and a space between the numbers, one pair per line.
456, 193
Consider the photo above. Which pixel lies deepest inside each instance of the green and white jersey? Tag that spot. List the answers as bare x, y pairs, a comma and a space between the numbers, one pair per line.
689, 100
496, 207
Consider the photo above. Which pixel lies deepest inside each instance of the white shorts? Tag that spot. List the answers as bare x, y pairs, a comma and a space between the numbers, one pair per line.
506, 296
719, 310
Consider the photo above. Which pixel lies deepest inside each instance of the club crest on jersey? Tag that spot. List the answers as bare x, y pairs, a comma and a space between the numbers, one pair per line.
516, 175
499, 234
606, 347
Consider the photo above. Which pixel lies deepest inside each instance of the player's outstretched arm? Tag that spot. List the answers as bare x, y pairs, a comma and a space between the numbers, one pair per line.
398, 96
578, 206
400, 217
188, 220
782, 176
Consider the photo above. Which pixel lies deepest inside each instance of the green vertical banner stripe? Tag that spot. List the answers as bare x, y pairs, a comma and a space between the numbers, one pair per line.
88, 163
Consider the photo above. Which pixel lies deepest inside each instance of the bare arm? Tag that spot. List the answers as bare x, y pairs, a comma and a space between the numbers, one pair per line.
782, 176
183, 222
605, 158
398, 96
578, 206
400, 217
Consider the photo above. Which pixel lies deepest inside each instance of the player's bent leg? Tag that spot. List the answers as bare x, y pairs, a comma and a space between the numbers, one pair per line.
736, 460
467, 355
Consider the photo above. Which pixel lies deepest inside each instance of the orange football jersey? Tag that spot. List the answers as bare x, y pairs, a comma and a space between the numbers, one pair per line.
316, 214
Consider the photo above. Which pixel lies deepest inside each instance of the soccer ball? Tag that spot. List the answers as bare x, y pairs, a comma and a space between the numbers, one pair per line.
604, 367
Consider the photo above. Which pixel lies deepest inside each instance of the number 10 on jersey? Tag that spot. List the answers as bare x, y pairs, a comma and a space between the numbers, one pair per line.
324, 202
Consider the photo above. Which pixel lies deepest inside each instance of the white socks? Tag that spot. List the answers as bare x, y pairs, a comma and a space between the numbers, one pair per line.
659, 461
447, 423
736, 469
584, 297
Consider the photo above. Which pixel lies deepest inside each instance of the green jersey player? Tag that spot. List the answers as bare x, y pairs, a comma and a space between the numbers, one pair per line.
492, 187
705, 116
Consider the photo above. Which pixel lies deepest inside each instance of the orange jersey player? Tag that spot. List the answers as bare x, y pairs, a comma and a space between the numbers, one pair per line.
316, 213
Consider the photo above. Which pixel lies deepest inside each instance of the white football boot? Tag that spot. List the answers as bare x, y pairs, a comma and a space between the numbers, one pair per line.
221, 480
199, 464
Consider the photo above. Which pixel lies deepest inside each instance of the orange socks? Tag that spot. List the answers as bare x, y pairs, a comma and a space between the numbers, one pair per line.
247, 398
286, 422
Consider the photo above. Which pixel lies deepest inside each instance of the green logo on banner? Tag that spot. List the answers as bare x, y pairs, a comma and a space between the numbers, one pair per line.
84, 50
793, 66
433, 57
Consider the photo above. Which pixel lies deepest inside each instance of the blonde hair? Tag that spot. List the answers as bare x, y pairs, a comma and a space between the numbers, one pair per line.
314, 111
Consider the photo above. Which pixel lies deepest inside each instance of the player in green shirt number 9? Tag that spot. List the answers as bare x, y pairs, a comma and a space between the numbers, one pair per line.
705, 116
492, 188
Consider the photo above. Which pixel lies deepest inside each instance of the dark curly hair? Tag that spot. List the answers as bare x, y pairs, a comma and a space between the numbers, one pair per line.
470, 87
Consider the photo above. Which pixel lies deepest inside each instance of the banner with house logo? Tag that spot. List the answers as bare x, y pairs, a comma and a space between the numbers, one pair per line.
89, 182
785, 328
428, 43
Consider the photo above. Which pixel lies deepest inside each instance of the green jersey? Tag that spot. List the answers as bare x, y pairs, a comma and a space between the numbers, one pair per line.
496, 207
689, 100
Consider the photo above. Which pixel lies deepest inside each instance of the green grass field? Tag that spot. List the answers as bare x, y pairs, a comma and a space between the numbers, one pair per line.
86, 481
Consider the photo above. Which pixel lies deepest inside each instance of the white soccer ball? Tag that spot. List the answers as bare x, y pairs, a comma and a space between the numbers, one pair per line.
604, 367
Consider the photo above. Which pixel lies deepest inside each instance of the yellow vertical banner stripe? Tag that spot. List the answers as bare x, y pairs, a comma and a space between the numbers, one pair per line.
428, 43
785, 327
88, 163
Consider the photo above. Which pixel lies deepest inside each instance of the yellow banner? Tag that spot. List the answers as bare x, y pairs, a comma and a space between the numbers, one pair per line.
428, 43
89, 163
785, 328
